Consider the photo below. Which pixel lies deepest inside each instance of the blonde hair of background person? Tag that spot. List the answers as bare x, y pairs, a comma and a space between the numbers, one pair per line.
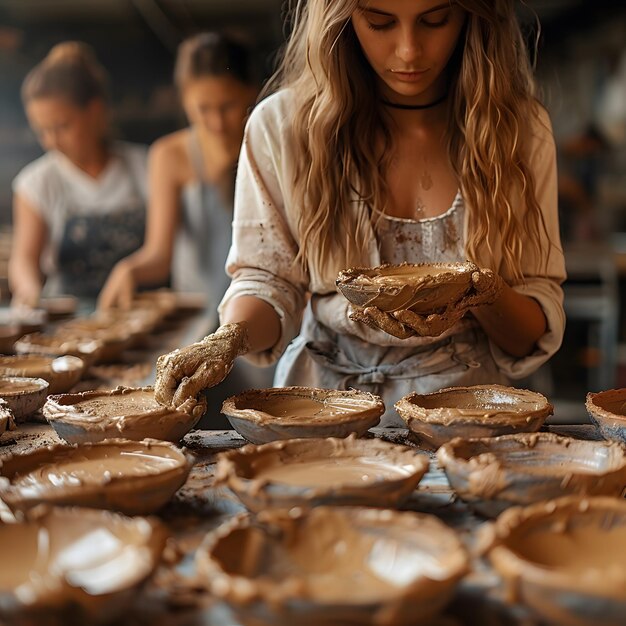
66, 101
216, 88
347, 156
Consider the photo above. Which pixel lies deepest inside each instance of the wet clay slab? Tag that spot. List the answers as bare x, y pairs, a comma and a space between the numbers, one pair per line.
312, 472
423, 288
333, 565
478, 411
565, 559
264, 415
23, 395
135, 478
83, 564
61, 373
131, 413
607, 411
492, 474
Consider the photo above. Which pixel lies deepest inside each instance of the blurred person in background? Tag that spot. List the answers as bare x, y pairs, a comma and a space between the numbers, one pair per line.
79, 208
191, 178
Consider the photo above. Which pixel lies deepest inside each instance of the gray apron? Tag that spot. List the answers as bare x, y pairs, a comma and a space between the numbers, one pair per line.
91, 245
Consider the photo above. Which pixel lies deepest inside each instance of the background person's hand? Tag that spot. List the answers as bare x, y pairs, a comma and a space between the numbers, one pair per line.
184, 373
119, 289
27, 295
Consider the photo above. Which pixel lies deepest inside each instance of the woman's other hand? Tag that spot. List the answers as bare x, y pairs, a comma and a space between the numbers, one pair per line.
119, 289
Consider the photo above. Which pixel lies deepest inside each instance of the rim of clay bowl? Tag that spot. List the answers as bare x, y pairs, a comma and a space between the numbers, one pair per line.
238, 469
373, 409
554, 515
357, 286
238, 589
16, 465
409, 409
463, 457
601, 412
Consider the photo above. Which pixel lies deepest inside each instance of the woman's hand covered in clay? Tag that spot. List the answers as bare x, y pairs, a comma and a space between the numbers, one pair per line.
486, 286
184, 373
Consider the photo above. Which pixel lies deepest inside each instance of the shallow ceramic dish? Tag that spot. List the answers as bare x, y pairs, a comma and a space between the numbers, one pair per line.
264, 415
61, 373
131, 477
59, 306
333, 565
312, 472
478, 411
565, 559
128, 412
423, 288
60, 344
115, 338
494, 473
23, 395
607, 410
79, 566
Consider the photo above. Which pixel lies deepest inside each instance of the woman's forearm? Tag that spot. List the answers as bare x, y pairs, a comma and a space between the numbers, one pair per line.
25, 280
147, 267
261, 319
514, 322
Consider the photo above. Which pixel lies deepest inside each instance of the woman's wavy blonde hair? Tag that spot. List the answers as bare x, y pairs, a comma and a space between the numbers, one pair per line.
491, 107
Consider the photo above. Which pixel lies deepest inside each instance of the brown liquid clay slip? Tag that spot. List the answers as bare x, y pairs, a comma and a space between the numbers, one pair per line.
311, 472
264, 415
607, 411
61, 373
565, 559
131, 413
492, 474
23, 395
478, 411
333, 565
135, 478
77, 565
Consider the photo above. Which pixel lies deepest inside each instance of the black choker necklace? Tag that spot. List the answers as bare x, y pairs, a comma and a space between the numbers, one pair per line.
411, 107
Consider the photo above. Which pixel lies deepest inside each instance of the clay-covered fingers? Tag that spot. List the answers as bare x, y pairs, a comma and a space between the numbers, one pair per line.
207, 375
428, 325
380, 320
487, 283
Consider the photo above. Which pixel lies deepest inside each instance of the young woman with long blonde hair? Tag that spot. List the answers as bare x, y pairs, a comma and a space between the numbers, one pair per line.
399, 130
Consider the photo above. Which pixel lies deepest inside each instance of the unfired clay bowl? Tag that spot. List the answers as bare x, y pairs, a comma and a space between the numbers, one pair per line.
135, 478
23, 395
127, 412
84, 564
61, 373
115, 338
478, 411
59, 306
423, 288
264, 415
333, 565
494, 473
565, 559
312, 472
607, 411
60, 344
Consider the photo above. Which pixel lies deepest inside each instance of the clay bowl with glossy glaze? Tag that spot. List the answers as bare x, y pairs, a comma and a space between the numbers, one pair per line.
313, 472
61, 373
423, 287
75, 566
607, 410
60, 344
333, 565
494, 473
477, 411
565, 559
23, 395
126, 412
264, 415
131, 477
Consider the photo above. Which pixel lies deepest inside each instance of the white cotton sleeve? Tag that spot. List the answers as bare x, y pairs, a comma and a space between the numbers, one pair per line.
262, 259
542, 280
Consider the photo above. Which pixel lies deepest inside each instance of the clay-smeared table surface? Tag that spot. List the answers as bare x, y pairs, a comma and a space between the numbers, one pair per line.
171, 598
